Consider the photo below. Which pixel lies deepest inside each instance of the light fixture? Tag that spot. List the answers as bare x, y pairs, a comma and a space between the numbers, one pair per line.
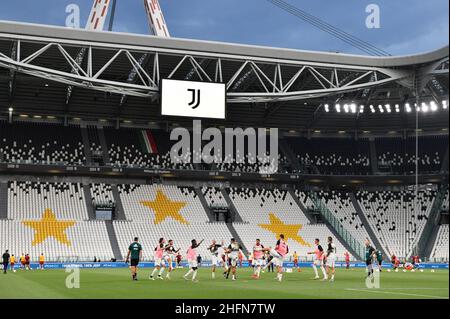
353, 107
425, 107
408, 108
433, 106
444, 104
346, 108
338, 108
327, 108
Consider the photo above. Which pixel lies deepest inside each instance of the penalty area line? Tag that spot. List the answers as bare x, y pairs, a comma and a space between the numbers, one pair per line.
376, 291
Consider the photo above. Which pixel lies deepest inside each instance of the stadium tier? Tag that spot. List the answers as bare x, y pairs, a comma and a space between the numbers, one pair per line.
333, 155
41, 144
397, 217
28, 142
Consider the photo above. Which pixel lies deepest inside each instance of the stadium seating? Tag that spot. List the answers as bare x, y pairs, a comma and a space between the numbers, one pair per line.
440, 250
88, 239
127, 147
213, 196
29, 200
340, 205
394, 219
101, 194
133, 196
333, 155
445, 201
263, 208
398, 155
40, 143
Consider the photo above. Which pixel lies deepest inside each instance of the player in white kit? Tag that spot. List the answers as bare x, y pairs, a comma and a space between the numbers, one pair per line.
215, 258
331, 258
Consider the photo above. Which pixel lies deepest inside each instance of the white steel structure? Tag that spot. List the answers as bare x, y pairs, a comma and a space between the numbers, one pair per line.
275, 73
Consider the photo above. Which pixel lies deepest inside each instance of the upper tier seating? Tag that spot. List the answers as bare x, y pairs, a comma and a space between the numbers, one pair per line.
440, 249
269, 207
393, 217
41, 144
141, 148
333, 155
29, 200
398, 155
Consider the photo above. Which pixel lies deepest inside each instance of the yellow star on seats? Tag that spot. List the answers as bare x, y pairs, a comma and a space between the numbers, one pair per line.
163, 207
49, 226
277, 227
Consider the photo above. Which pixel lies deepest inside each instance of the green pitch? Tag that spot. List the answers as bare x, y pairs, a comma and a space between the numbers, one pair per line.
116, 283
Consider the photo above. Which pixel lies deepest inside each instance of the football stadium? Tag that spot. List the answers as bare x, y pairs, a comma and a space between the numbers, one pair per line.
138, 166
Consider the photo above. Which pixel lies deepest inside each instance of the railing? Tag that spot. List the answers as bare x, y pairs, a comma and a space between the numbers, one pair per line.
336, 224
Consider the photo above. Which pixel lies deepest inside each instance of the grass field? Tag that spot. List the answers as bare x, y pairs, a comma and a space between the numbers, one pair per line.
116, 283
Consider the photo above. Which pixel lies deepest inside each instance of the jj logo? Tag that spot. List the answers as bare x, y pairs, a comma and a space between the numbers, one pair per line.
196, 98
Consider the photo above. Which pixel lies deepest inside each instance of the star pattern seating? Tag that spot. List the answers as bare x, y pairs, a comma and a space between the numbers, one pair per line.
257, 207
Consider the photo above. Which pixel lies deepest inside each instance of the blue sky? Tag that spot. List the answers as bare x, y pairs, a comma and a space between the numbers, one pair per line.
407, 26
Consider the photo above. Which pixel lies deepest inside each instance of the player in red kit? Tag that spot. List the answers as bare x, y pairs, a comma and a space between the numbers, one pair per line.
347, 260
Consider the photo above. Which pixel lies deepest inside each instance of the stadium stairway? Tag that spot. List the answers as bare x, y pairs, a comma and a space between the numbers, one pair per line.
302, 207
86, 143
89, 204
429, 234
208, 211
113, 240
120, 212
3, 200
373, 156
373, 238
234, 212
102, 138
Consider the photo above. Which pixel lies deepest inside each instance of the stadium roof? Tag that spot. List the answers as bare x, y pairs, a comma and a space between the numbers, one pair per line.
47, 70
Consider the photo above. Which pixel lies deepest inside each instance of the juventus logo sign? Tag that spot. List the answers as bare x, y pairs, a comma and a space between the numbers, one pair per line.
193, 99
196, 98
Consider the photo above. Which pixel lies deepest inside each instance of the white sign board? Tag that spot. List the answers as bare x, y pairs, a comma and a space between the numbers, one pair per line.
193, 99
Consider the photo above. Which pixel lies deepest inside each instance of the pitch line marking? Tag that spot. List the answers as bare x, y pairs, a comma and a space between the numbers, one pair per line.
397, 293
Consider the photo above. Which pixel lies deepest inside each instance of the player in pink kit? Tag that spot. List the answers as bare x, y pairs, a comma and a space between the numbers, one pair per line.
279, 253
319, 255
192, 260
258, 254
160, 265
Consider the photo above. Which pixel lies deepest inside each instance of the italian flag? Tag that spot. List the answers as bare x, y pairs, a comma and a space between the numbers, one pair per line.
148, 144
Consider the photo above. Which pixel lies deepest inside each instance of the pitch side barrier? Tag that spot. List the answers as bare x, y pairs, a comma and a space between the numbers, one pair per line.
206, 264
